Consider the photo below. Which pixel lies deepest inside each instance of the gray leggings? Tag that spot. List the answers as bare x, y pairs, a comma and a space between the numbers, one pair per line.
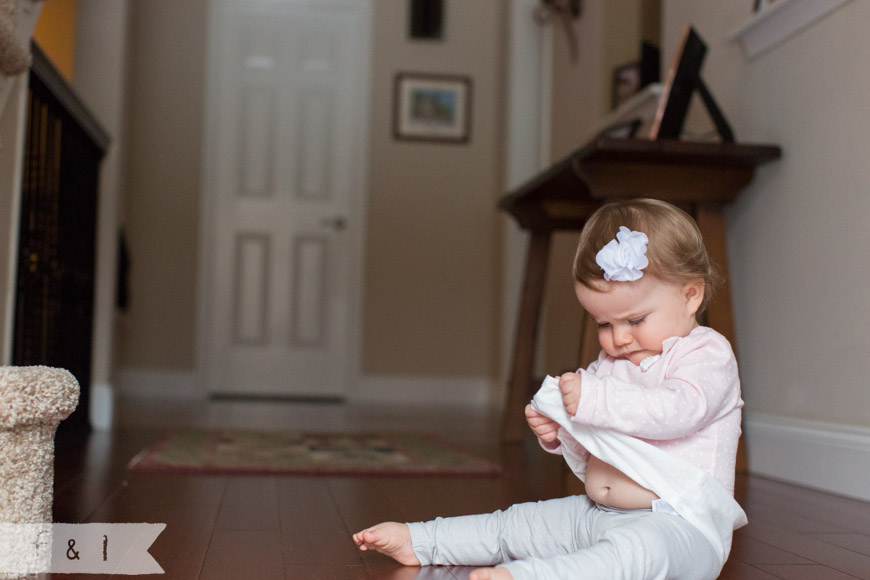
570, 537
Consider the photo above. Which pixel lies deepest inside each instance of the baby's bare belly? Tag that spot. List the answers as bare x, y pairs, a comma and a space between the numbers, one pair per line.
607, 485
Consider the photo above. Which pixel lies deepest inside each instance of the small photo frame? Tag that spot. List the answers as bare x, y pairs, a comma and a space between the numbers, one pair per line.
623, 130
626, 83
430, 107
761, 5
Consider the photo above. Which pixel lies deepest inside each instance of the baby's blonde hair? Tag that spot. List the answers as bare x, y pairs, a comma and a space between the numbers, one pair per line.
675, 251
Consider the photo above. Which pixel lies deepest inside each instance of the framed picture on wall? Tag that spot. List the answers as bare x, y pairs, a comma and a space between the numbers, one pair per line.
430, 107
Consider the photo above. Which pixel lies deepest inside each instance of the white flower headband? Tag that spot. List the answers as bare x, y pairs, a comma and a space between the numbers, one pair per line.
624, 258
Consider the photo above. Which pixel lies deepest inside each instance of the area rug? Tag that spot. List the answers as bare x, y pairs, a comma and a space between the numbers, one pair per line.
225, 451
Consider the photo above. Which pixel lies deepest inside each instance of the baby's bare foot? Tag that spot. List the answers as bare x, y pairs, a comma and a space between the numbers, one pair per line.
389, 538
497, 573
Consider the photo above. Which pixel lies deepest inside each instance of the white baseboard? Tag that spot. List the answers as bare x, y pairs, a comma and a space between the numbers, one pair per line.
828, 457
458, 391
442, 391
158, 384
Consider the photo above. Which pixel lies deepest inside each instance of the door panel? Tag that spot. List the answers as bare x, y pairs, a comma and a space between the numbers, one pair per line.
285, 173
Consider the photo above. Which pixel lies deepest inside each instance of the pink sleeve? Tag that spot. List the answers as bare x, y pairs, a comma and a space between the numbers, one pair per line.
554, 447
700, 385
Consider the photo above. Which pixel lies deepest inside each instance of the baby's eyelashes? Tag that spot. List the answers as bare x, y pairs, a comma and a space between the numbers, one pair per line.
632, 322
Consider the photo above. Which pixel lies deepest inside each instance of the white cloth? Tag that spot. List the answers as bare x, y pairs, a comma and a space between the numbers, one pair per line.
695, 495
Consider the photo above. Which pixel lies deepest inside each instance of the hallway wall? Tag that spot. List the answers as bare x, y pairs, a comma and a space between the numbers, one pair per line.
431, 286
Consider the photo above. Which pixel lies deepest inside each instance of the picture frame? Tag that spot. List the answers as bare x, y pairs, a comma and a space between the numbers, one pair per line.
625, 83
622, 130
432, 107
762, 5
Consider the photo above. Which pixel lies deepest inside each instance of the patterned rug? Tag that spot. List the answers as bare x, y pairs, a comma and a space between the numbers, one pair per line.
302, 453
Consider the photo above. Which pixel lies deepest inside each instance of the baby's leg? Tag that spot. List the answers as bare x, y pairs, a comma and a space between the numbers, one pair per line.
631, 547
389, 538
394, 540
540, 529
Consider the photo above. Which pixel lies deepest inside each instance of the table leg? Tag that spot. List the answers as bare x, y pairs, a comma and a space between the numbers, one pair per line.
711, 222
526, 339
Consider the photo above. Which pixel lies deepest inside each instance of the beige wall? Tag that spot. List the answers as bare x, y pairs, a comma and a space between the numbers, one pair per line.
798, 236
579, 100
101, 51
165, 92
621, 40
432, 257
609, 35
431, 292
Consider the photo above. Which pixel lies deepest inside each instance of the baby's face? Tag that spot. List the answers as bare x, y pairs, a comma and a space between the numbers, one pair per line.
635, 318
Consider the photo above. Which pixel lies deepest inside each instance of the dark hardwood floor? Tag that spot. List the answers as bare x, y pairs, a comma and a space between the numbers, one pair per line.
265, 527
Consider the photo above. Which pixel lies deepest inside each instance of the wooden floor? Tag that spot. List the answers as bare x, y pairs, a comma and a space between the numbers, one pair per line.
264, 527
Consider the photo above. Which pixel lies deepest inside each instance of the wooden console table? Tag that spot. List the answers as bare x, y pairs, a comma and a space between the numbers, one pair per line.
699, 177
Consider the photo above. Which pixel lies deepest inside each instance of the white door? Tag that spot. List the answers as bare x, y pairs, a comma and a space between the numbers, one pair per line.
285, 174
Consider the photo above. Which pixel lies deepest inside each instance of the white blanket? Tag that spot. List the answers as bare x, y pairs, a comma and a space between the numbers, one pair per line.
695, 494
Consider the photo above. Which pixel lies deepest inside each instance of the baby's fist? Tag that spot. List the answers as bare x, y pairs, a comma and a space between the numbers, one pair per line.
542, 426
569, 384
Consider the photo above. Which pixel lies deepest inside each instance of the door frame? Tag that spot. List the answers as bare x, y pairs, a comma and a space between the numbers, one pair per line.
356, 224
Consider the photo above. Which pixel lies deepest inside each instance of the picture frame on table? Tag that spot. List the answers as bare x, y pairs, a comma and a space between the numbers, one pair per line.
761, 5
626, 83
432, 107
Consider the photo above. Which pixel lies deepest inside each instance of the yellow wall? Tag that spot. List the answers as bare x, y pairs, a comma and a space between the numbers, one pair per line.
55, 33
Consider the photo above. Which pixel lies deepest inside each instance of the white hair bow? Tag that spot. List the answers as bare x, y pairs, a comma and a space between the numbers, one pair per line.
624, 258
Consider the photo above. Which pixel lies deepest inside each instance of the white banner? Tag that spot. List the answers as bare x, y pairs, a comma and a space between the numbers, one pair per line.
78, 548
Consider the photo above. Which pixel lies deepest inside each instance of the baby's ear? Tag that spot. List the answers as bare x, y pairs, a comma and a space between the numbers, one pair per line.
693, 292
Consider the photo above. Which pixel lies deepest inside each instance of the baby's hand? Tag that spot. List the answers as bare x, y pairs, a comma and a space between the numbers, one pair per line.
542, 426
569, 384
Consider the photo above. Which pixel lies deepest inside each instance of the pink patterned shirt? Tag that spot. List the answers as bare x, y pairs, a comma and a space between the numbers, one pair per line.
685, 401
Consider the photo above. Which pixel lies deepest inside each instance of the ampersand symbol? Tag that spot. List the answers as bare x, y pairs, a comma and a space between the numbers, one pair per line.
71, 554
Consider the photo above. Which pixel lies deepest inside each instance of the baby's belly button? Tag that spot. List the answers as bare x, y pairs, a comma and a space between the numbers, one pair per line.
609, 486
597, 488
